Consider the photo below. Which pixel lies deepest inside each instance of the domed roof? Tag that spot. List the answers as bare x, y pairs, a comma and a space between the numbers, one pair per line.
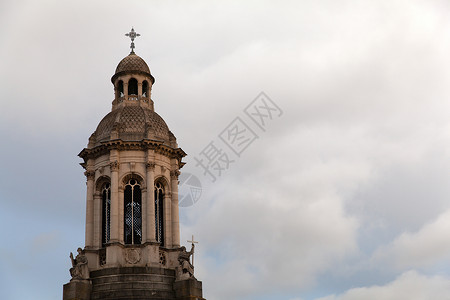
134, 64
133, 123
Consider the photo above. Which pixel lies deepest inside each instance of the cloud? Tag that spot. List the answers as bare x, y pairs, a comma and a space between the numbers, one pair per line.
410, 285
425, 248
357, 160
277, 237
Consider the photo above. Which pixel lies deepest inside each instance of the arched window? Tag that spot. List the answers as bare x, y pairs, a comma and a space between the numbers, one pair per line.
133, 213
106, 213
145, 88
132, 87
159, 212
120, 88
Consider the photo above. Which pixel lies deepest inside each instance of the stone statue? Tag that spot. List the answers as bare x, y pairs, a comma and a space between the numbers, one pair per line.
79, 270
185, 269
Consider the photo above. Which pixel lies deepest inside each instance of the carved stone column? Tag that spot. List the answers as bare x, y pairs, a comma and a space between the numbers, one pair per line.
168, 219
90, 176
114, 236
140, 89
125, 90
175, 215
98, 219
150, 214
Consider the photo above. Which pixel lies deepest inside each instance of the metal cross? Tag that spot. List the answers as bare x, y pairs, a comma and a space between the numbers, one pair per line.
192, 242
132, 34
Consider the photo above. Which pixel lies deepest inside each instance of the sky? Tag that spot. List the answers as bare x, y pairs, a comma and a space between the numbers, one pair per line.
344, 192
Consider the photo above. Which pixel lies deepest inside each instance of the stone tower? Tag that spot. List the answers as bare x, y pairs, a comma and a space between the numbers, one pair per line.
132, 161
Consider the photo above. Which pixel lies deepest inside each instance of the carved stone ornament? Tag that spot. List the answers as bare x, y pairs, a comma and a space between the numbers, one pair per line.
132, 256
185, 269
174, 174
90, 174
150, 165
162, 258
114, 165
163, 170
79, 270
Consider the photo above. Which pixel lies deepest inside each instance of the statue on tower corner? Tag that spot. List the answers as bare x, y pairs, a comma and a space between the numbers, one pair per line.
79, 270
185, 270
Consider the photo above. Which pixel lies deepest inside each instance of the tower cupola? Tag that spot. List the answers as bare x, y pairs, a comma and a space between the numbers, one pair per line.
132, 162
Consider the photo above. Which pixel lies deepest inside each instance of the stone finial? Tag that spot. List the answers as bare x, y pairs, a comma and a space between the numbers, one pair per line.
132, 35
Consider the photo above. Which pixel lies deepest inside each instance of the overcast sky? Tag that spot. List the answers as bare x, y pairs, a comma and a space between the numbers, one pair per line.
343, 196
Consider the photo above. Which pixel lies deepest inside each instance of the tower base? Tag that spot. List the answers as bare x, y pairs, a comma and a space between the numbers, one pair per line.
77, 290
132, 283
189, 289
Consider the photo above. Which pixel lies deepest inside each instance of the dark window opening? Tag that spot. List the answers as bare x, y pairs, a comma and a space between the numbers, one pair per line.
145, 89
120, 88
132, 87
133, 213
159, 212
106, 213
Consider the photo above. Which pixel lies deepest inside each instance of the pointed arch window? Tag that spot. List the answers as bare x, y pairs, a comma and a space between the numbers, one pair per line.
106, 213
132, 87
132, 212
145, 88
159, 212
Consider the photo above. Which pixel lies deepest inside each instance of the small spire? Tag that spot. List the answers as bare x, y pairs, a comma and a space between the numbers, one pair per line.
132, 34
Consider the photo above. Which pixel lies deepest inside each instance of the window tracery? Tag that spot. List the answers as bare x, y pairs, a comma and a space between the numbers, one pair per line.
106, 213
132, 212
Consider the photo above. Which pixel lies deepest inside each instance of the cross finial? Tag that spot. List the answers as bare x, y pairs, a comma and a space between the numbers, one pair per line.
192, 242
132, 34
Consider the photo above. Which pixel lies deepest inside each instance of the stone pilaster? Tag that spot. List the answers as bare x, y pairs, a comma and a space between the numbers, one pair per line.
140, 88
150, 214
175, 216
89, 238
125, 90
115, 224
98, 219
168, 219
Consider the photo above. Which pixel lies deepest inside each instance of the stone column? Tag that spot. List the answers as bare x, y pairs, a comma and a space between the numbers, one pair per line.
175, 216
98, 219
90, 175
114, 235
150, 214
168, 220
125, 90
139, 89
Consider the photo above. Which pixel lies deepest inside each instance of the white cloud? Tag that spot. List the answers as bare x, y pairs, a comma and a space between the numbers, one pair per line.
362, 143
425, 248
410, 285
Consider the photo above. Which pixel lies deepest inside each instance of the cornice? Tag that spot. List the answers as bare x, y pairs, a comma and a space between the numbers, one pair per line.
146, 144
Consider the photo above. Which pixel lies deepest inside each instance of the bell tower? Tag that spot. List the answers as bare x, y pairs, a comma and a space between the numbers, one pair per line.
132, 162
